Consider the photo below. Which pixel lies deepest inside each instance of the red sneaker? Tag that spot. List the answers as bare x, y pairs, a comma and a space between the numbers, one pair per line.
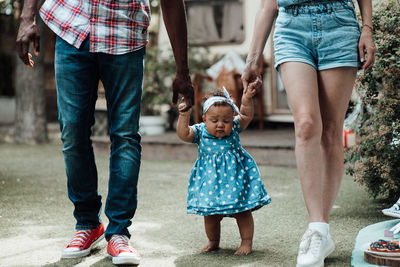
82, 242
121, 251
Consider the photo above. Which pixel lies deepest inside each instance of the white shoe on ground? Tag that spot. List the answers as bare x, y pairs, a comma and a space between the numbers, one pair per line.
393, 211
314, 248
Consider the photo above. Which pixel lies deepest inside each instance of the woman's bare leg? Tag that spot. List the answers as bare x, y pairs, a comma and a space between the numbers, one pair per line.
301, 84
335, 87
212, 225
245, 223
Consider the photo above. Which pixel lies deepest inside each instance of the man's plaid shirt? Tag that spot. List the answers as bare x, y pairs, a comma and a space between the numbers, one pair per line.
115, 26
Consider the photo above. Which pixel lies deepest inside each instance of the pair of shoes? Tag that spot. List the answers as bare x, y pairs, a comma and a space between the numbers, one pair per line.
314, 248
83, 242
121, 251
393, 211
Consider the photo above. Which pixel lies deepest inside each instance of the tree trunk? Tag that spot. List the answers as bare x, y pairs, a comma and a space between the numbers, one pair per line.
30, 121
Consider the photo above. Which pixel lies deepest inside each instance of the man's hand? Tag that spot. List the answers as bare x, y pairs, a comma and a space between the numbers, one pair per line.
28, 32
183, 85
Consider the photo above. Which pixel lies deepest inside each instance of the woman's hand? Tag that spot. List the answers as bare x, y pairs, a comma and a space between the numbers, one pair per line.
366, 44
252, 70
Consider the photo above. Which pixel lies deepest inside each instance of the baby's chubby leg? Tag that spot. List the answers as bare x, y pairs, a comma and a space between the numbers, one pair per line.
212, 225
245, 223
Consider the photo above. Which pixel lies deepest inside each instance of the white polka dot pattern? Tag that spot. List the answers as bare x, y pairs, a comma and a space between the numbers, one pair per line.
214, 185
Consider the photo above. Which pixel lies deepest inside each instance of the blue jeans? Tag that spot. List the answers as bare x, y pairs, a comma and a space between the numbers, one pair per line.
77, 76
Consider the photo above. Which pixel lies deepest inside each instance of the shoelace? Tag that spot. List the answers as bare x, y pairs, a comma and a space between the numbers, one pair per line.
315, 243
120, 242
305, 242
80, 238
311, 241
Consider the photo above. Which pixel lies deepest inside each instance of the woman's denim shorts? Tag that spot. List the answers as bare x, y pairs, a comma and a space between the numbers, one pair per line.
323, 34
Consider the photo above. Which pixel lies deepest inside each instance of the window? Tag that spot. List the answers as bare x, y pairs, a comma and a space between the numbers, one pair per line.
215, 21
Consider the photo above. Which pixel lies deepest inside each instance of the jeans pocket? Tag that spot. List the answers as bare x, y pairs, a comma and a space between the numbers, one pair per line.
345, 17
283, 19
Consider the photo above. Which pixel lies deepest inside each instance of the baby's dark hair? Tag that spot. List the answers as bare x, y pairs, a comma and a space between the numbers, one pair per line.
217, 92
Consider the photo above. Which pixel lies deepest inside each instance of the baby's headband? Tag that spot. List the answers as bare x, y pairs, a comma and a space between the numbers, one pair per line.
227, 99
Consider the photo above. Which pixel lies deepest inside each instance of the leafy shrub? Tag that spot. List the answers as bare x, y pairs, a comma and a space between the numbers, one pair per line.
375, 161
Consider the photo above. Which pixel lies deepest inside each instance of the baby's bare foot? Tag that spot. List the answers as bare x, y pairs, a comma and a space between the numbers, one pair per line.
245, 247
211, 246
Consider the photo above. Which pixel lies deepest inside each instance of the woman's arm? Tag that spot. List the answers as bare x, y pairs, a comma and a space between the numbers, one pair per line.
247, 106
185, 133
366, 43
263, 24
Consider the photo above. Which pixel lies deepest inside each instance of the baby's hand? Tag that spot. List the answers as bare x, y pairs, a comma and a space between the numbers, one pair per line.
182, 107
31, 63
252, 88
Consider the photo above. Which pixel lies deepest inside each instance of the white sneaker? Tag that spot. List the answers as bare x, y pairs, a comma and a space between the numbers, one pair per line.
314, 248
393, 211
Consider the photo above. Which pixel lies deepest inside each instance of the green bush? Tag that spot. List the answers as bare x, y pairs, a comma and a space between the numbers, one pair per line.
375, 161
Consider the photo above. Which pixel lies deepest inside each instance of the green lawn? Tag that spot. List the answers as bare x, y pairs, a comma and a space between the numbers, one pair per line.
36, 216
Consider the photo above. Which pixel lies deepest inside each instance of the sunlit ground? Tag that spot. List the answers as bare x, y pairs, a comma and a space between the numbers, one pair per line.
36, 216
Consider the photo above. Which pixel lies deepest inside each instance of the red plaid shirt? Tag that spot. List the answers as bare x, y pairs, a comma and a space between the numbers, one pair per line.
115, 27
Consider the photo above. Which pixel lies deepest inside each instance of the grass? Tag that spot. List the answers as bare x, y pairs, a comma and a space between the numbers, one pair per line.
34, 209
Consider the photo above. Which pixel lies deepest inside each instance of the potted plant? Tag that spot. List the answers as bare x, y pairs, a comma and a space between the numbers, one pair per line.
157, 93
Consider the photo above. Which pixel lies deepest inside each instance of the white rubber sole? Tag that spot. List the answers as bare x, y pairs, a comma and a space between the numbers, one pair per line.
319, 264
81, 253
124, 260
388, 213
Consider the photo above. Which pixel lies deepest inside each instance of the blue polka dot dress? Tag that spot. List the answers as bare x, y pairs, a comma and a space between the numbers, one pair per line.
225, 178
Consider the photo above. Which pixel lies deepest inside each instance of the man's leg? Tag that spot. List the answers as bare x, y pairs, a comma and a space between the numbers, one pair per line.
77, 82
122, 76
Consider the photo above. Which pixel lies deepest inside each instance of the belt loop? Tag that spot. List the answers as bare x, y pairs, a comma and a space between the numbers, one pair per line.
296, 11
329, 8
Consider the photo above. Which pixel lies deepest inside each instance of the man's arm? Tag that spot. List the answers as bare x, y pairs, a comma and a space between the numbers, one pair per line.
175, 22
28, 32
